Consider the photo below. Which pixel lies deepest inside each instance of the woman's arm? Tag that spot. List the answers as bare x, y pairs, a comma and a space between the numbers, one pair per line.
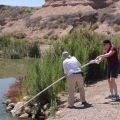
103, 56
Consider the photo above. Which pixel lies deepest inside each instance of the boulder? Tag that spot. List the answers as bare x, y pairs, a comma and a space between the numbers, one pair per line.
47, 113
8, 101
24, 116
9, 108
45, 107
33, 116
11, 105
17, 106
58, 113
28, 110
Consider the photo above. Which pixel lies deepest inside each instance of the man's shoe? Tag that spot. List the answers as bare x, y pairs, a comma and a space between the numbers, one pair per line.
86, 104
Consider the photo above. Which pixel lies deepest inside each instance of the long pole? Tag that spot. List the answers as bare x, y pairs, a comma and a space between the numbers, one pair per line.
44, 91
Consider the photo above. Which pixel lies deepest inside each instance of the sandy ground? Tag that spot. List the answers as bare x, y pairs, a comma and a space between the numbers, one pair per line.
101, 108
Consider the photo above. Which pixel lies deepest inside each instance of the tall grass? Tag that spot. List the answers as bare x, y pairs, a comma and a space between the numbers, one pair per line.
18, 48
82, 44
85, 46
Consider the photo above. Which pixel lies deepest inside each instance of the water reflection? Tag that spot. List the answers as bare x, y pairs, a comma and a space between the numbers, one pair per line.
4, 85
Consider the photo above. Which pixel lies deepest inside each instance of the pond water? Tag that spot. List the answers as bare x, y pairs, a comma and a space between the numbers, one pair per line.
4, 85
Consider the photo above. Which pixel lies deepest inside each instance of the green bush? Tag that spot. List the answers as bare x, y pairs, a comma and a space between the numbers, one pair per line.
18, 35
15, 55
4, 42
34, 50
53, 107
15, 48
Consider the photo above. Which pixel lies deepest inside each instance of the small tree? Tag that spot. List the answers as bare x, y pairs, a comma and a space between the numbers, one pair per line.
34, 50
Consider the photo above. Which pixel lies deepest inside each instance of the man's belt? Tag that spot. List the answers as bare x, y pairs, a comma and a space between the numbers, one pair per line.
77, 73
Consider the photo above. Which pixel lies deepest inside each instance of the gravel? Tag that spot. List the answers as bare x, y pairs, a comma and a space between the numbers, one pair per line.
101, 108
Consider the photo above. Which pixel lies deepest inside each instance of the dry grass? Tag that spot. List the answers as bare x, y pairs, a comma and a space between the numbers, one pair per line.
15, 90
116, 28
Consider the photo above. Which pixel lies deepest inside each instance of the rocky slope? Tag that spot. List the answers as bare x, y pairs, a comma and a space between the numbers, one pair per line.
58, 17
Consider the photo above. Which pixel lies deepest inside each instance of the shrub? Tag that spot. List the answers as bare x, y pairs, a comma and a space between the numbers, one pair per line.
52, 25
4, 41
116, 28
15, 47
94, 26
18, 35
54, 37
2, 20
15, 55
34, 50
43, 25
63, 25
46, 37
60, 20
53, 107
15, 13
33, 22
53, 18
50, 32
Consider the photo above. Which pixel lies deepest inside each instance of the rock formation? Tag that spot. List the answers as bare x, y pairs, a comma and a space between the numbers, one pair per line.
58, 17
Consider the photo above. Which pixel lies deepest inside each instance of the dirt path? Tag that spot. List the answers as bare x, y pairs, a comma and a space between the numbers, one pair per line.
102, 109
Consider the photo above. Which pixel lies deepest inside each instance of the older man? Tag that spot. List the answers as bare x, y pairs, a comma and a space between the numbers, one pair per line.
72, 71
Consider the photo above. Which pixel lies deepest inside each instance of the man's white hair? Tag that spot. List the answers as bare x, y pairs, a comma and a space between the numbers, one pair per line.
65, 55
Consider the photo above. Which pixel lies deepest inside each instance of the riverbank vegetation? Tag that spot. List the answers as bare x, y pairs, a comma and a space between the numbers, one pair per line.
17, 54
40, 73
16, 47
82, 44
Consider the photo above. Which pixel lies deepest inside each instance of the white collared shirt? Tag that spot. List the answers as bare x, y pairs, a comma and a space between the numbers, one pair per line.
71, 65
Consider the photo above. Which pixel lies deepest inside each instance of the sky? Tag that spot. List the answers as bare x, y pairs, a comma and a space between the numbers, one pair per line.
30, 3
